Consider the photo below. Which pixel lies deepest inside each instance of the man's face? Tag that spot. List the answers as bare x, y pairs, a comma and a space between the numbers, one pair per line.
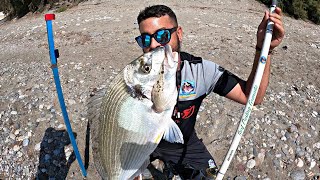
151, 25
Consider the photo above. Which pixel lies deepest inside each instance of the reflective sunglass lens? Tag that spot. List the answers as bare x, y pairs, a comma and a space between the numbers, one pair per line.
139, 41
143, 41
146, 40
163, 36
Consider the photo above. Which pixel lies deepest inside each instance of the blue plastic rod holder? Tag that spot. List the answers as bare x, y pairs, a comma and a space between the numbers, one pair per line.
53, 57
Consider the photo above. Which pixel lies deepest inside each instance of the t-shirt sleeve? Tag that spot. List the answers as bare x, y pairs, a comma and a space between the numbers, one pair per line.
217, 79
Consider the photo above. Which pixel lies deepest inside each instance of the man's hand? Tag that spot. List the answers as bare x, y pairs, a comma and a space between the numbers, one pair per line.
278, 30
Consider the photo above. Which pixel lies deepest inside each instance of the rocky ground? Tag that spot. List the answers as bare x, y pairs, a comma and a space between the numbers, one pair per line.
96, 40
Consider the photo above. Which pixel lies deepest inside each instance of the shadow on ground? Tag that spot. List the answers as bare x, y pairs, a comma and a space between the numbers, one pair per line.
53, 163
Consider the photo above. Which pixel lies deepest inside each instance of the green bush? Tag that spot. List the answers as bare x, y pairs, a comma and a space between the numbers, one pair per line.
299, 9
313, 10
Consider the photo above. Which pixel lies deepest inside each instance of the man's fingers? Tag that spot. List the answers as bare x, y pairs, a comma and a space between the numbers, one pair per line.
275, 15
279, 29
278, 11
276, 20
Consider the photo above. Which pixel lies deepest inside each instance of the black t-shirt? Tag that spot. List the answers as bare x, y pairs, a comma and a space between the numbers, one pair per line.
196, 79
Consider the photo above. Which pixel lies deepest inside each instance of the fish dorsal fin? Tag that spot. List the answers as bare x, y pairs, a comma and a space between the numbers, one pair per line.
173, 133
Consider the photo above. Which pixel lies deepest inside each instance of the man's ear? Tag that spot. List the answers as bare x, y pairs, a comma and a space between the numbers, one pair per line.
179, 33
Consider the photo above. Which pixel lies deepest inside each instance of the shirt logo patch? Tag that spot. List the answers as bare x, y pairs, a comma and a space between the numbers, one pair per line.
187, 89
188, 112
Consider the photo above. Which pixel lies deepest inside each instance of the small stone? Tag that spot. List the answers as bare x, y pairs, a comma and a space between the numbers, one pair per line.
276, 163
283, 138
68, 153
244, 158
313, 163
251, 163
299, 162
49, 107
316, 145
251, 156
40, 119
37, 146
298, 175
56, 163
313, 128
240, 167
240, 178
314, 113
56, 152
300, 152
16, 132
260, 157
16, 148
25, 142
61, 126
20, 138
293, 128
278, 155
47, 157
71, 102
308, 150
12, 136
19, 154
50, 140
287, 135
26, 171
291, 151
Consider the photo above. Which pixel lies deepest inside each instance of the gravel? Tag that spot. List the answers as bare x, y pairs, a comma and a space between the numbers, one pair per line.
96, 40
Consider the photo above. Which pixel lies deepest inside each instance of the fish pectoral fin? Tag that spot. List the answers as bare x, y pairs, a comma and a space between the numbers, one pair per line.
141, 169
173, 133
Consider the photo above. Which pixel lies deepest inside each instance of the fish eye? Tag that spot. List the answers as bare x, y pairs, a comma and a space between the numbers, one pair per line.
146, 68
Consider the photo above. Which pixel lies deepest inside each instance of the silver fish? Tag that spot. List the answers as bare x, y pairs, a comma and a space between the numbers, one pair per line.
129, 121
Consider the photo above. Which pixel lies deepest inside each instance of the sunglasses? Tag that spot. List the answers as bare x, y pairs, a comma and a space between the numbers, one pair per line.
162, 36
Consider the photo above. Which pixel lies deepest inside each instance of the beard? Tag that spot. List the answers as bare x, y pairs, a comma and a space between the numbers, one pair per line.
177, 47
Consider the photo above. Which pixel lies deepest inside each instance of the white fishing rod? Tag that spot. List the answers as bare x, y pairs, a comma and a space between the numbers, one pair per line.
252, 96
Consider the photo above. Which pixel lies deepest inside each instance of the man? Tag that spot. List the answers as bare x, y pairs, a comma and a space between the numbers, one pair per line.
196, 78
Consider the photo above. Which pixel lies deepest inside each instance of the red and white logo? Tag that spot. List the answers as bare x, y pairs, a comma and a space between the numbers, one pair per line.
188, 112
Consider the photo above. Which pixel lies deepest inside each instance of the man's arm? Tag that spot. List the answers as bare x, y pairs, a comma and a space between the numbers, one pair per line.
240, 92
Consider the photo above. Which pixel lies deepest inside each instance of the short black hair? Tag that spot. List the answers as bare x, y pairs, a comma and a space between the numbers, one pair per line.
156, 11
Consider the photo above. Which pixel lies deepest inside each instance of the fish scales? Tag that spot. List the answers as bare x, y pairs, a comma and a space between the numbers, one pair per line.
112, 133
116, 97
127, 130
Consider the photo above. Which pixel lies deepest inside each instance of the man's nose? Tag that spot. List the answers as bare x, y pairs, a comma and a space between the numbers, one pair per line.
154, 44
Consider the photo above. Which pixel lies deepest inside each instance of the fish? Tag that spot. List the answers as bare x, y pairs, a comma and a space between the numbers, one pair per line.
130, 118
